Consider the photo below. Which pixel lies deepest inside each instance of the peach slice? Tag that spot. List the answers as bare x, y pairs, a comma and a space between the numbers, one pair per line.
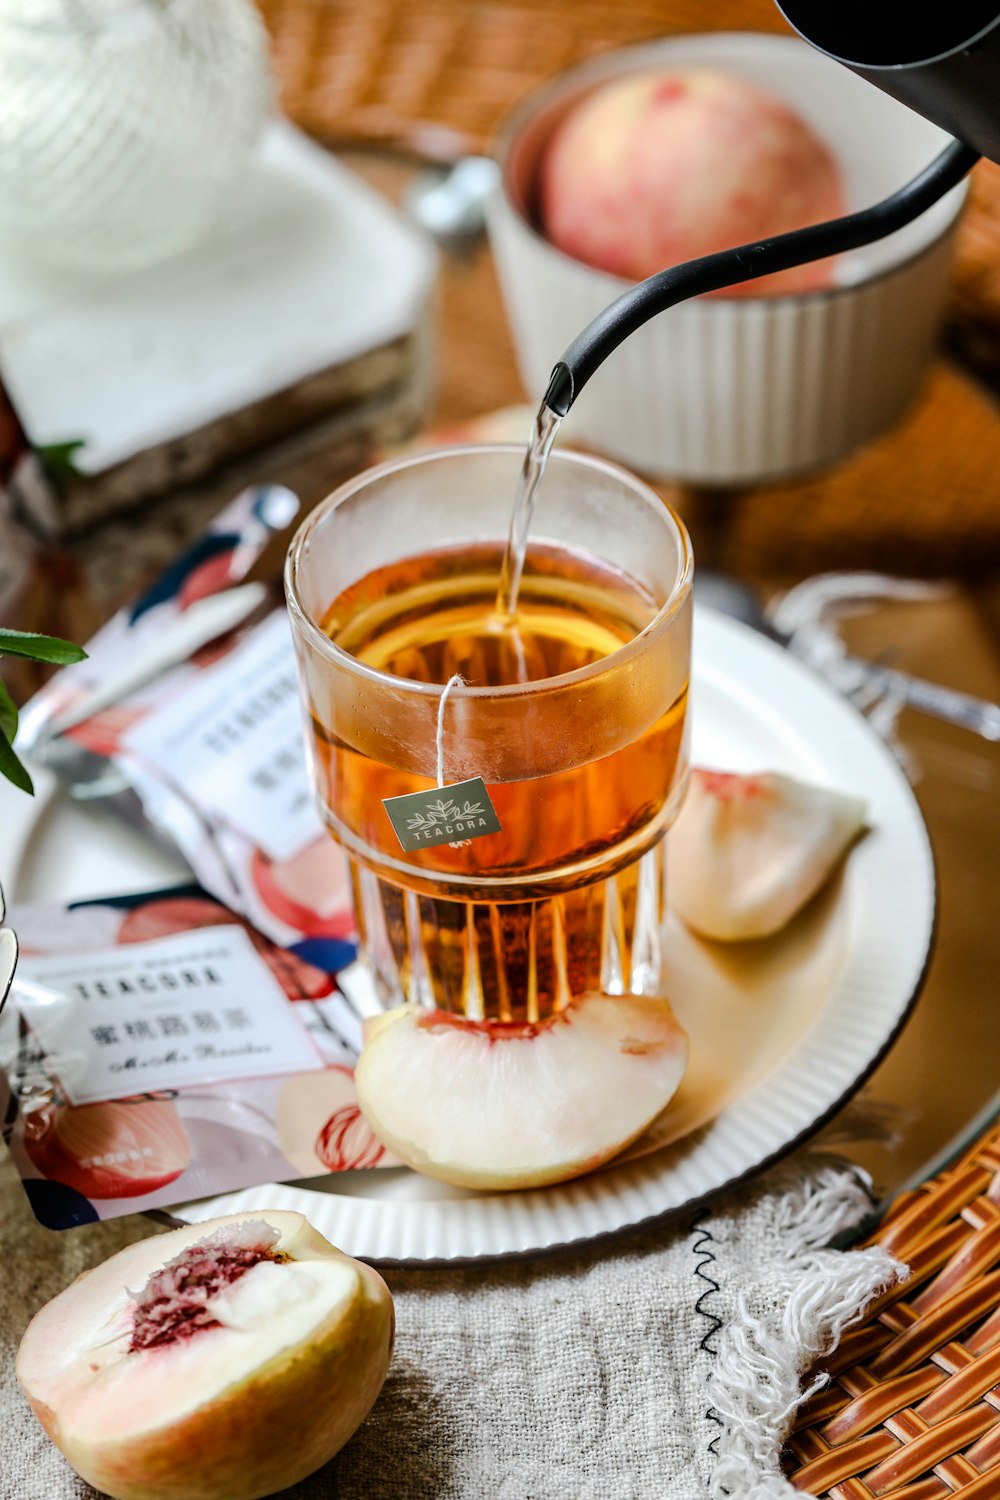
224, 1361
748, 852
487, 1105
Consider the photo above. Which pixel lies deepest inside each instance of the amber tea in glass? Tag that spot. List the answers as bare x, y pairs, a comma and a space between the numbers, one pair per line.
572, 712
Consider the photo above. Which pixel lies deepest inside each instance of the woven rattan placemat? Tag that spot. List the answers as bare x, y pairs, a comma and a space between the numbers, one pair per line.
388, 68
912, 1411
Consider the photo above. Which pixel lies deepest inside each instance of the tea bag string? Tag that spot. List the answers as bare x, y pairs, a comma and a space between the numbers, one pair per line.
456, 680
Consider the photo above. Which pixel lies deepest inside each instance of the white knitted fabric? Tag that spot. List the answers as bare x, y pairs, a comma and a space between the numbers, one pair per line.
660, 1365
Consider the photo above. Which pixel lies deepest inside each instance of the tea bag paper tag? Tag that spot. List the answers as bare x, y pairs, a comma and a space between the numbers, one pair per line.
443, 815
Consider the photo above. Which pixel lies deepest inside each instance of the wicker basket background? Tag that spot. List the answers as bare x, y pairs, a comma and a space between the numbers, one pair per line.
385, 69
913, 1410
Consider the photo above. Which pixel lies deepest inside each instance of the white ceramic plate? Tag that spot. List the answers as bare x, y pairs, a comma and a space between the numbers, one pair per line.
781, 1031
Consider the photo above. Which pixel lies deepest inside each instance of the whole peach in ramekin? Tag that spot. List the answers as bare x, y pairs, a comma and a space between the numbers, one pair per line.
731, 390
660, 167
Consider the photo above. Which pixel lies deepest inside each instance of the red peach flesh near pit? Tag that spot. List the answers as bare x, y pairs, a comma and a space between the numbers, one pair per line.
658, 168
176, 1302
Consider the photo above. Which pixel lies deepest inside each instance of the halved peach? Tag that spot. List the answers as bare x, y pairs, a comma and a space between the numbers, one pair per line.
224, 1361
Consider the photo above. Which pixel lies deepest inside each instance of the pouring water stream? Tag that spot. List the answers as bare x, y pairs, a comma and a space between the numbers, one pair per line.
543, 433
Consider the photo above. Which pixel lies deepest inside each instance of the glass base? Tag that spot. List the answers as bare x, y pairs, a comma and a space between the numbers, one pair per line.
514, 961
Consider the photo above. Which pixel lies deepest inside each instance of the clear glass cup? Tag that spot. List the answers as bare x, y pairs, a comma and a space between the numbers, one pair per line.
585, 768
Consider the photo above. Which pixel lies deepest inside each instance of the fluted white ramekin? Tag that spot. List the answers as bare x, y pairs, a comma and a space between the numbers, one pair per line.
729, 391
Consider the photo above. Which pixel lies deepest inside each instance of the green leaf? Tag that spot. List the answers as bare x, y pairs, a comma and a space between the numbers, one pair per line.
39, 647
57, 459
12, 768
8, 714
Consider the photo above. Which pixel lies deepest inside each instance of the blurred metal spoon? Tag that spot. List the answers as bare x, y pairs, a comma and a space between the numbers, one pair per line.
450, 203
806, 629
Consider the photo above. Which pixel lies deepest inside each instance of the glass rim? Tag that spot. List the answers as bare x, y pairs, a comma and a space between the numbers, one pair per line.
337, 656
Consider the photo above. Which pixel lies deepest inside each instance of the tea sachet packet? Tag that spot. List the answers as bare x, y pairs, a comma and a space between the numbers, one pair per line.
157, 1049
218, 762
208, 751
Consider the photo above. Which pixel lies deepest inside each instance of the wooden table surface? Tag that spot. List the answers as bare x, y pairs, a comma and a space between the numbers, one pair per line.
924, 500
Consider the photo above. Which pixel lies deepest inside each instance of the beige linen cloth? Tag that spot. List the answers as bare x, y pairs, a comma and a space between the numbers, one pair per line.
659, 1365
